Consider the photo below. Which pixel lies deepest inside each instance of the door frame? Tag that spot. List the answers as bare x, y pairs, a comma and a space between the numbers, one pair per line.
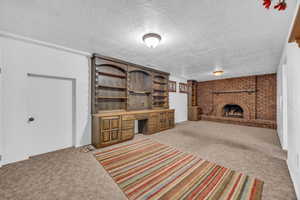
284, 108
73, 81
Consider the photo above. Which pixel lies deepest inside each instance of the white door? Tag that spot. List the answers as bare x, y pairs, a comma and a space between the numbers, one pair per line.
50, 113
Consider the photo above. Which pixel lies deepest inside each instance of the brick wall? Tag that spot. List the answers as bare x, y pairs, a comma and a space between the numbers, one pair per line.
266, 97
255, 94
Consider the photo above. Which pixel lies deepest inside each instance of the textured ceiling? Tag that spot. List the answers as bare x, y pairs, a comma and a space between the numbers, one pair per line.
197, 35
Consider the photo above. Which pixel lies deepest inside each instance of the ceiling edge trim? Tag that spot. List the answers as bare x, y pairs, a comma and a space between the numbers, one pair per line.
237, 75
42, 43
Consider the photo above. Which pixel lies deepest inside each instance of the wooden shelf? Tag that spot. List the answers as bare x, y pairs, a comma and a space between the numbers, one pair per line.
112, 75
160, 96
102, 97
159, 82
112, 87
139, 92
161, 101
160, 90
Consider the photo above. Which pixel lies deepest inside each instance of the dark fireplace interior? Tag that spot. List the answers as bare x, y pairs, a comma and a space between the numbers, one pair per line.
233, 110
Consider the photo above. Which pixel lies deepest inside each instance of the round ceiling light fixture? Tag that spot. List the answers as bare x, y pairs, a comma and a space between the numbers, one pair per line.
151, 40
218, 72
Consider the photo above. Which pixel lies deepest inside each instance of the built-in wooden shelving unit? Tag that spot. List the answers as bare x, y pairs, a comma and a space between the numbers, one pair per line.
140, 92
119, 85
160, 91
111, 87
123, 93
112, 75
102, 97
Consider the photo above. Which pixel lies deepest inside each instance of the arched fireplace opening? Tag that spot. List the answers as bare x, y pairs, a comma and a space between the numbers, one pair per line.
233, 110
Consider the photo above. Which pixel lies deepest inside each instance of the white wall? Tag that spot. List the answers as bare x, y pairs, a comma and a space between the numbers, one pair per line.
282, 106
20, 58
293, 112
178, 101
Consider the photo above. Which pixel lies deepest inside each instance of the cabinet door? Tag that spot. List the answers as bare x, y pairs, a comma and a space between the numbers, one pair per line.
105, 124
105, 136
105, 130
171, 119
127, 129
163, 121
153, 123
110, 130
115, 135
127, 134
115, 123
115, 129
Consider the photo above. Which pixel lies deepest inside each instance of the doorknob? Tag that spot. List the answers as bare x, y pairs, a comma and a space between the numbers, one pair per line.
30, 119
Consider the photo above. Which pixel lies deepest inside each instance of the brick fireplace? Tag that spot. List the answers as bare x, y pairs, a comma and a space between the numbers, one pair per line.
246, 100
233, 110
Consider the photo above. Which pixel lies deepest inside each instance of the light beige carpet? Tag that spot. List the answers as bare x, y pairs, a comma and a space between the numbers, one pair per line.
71, 174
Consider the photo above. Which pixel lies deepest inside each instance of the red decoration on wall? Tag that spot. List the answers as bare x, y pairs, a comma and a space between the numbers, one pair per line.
281, 5
267, 3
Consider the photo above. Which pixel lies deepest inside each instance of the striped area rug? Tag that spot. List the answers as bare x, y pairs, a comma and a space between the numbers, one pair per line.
146, 169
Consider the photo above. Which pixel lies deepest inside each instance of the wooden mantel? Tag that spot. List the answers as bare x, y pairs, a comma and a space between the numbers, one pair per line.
295, 34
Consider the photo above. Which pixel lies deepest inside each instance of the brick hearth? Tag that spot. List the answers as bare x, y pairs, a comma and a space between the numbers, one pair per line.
256, 95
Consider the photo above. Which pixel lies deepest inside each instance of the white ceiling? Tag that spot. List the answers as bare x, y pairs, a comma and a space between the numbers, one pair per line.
197, 35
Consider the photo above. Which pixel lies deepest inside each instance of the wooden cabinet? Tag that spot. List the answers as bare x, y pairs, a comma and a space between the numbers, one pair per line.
123, 92
107, 130
194, 113
193, 110
111, 128
167, 120
153, 123
171, 118
163, 124
127, 127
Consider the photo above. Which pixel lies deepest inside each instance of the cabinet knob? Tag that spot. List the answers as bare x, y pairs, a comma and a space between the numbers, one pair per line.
31, 119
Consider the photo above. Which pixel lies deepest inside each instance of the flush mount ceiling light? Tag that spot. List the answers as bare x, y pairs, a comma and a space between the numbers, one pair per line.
151, 40
218, 72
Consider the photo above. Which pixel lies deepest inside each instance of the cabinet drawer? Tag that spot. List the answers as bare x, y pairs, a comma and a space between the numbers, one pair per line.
127, 134
153, 114
128, 117
141, 116
126, 124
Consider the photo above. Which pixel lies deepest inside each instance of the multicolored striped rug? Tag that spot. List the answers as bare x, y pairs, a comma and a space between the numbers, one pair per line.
146, 169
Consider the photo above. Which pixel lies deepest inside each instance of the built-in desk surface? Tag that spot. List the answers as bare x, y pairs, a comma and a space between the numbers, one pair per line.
120, 112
